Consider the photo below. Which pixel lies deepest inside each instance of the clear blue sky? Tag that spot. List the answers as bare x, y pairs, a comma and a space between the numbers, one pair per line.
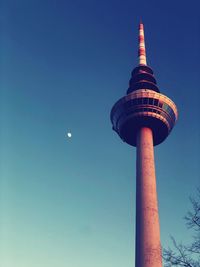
71, 202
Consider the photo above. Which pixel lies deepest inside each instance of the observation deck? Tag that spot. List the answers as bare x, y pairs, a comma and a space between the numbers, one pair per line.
143, 108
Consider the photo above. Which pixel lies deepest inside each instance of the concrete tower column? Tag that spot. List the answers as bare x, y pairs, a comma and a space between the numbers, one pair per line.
148, 249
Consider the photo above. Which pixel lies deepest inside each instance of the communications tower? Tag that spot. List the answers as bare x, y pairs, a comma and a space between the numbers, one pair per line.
144, 118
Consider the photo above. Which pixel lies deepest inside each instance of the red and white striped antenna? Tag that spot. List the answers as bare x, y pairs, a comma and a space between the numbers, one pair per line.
141, 48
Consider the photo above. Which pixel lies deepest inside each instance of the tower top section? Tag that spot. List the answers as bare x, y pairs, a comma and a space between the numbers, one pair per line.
142, 76
144, 105
141, 46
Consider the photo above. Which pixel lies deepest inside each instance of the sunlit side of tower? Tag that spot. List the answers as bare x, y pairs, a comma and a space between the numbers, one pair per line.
144, 118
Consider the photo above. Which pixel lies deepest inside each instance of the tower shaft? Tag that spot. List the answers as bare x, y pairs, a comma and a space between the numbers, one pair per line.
148, 249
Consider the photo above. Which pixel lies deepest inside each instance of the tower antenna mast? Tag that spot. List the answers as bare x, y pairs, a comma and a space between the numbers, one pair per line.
141, 48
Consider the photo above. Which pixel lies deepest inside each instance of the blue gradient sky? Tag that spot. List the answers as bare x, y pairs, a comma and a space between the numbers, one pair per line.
71, 202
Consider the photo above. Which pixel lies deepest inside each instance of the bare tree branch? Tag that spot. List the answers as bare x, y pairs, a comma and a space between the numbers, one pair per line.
187, 255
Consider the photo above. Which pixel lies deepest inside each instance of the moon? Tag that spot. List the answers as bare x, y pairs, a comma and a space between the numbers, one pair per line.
69, 135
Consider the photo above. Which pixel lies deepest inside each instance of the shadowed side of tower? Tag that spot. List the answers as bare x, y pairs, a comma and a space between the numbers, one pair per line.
144, 118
